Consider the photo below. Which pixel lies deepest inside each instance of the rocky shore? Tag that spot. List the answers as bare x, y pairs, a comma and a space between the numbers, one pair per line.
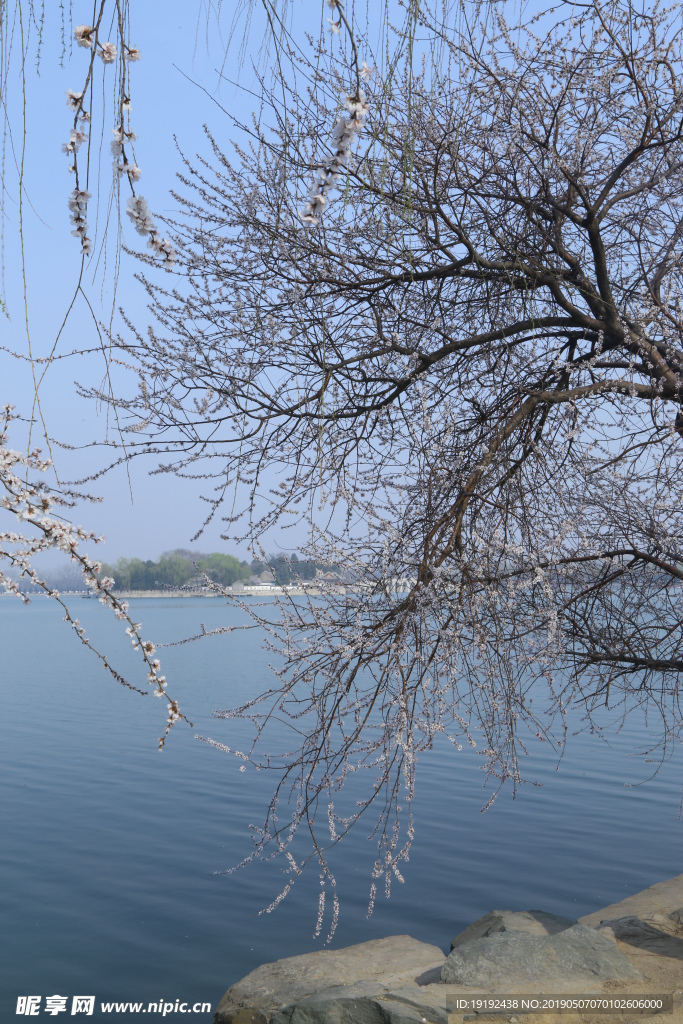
629, 949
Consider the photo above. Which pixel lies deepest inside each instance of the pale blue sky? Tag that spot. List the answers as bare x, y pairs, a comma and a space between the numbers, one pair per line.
165, 513
177, 43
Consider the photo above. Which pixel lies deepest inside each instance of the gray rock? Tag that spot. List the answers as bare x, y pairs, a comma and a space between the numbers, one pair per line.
663, 934
332, 1010
676, 916
664, 898
396, 961
578, 957
370, 1003
381, 1008
651, 920
531, 922
628, 929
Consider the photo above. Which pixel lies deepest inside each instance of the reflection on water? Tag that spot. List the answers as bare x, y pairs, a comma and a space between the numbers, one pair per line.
110, 849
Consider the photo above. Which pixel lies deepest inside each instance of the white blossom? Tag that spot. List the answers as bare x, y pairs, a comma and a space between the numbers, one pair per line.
76, 139
366, 72
130, 169
121, 137
344, 134
138, 211
108, 53
83, 35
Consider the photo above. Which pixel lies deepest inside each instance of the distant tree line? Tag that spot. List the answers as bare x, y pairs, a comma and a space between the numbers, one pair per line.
290, 569
181, 567
176, 569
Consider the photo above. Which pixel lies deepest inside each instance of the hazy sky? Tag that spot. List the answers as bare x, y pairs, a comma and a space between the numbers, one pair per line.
175, 41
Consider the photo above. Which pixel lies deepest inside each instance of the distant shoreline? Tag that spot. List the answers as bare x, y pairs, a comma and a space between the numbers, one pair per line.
128, 595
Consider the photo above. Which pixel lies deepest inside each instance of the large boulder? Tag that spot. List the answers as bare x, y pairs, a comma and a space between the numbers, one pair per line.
578, 958
396, 961
531, 922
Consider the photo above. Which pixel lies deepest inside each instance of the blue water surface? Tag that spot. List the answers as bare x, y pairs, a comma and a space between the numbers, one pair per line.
110, 849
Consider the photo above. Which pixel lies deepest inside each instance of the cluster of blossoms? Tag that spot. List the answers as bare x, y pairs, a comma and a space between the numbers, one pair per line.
335, 26
78, 208
138, 211
344, 134
121, 137
76, 139
87, 37
78, 200
31, 504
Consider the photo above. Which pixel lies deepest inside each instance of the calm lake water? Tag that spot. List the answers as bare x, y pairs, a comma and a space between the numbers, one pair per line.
110, 849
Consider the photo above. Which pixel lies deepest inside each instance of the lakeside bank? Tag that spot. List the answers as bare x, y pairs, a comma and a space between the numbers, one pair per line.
129, 595
625, 960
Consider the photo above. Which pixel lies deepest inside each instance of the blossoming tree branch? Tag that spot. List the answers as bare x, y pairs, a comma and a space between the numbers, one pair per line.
469, 357
438, 299
88, 37
34, 505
